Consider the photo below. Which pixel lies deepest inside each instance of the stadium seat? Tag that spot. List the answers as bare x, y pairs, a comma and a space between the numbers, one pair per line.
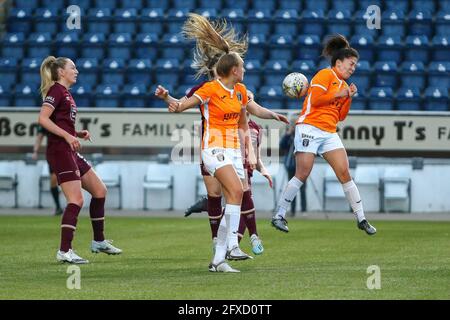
386, 74
137, 4
107, 96
441, 50
396, 186
360, 24
139, 71
365, 46
381, 98
438, 72
412, 74
443, 22
408, 98
82, 94
423, 5
135, 96
39, 45
252, 73
307, 67
213, 4
46, 20
167, 72
274, 72
444, 5
106, 4
309, 48
152, 20
88, 72
209, 13
173, 46
390, 48
8, 70
359, 100
420, 23
236, 18
233, 4
80, 3
333, 195
13, 45
417, 48
26, 96
5, 95
30, 72
286, 22
362, 76
271, 97
281, 47
393, 23
401, 5
120, 45
157, 4
187, 74
259, 22
158, 177
290, 5
109, 172
99, 21
436, 99
349, 5
8, 179
313, 22
364, 4
146, 46
113, 71
367, 179
19, 20
316, 5
93, 45
257, 47
67, 45
264, 5
175, 19
339, 21
184, 4
124, 21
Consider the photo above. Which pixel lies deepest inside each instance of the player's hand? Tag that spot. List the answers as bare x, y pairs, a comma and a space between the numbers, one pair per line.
252, 160
34, 156
173, 106
161, 92
353, 90
280, 117
266, 175
343, 93
84, 134
73, 142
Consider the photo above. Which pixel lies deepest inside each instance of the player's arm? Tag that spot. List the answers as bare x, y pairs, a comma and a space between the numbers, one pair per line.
262, 169
49, 125
245, 133
163, 94
37, 144
180, 106
343, 111
263, 113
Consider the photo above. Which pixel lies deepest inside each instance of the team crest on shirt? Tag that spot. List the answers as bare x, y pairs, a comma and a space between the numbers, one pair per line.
305, 142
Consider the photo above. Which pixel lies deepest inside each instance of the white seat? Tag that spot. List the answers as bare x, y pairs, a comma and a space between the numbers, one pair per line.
367, 179
158, 177
261, 183
110, 175
397, 189
44, 182
8, 179
333, 196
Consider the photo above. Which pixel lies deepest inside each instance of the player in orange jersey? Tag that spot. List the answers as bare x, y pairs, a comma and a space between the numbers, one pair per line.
328, 102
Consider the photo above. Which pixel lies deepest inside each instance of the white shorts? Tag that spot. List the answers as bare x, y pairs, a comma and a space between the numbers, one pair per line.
311, 139
216, 158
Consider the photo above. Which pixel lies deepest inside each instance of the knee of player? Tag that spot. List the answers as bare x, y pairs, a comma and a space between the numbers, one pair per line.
343, 175
237, 193
78, 200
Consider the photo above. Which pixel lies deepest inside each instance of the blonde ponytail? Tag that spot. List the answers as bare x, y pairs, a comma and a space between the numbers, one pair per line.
49, 72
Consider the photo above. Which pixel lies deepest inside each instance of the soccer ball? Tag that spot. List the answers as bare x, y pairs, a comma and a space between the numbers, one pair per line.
295, 85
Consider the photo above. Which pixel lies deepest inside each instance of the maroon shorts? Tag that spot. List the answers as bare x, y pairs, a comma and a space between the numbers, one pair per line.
67, 165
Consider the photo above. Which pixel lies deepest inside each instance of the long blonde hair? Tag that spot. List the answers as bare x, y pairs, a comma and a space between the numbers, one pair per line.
213, 41
49, 72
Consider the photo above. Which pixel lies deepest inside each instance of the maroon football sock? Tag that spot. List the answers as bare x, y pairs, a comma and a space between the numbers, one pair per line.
68, 226
97, 213
214, 214
248, 211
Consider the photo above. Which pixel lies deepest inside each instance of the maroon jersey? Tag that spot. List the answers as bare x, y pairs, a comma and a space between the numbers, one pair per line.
64, 114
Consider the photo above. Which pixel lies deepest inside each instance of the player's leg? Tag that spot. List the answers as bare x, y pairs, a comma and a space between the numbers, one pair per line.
214, 204
338, 160
54, 190
249, 214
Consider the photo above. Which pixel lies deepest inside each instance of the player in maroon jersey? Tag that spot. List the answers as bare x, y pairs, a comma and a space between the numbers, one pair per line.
73, 172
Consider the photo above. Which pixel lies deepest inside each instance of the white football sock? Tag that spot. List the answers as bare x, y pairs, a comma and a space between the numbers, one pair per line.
353, 197
288, 196
233, 216
221, 245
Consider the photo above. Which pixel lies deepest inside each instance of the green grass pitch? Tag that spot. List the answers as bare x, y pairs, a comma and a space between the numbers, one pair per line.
168, 259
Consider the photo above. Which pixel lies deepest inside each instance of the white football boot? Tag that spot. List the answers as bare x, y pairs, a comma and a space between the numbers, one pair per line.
104, 246
70, 257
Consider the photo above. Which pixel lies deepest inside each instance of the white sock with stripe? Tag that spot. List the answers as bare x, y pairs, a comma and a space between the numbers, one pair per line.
288, 196
353, 197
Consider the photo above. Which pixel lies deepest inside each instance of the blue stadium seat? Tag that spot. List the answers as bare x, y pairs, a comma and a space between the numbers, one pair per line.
146, 46
99, 21
360, 24
27, 95
124, 21
381, 98
408, 98
441, 51
157, 4
182, 90
362, 76
393, 23
213, 4
13, 45
135, 96
365, 46
271, 97
85, 4
313, 22
317, 5
88, 72
209, 13
264, 5
286, 22
307, 67
259, 22
257, 47
29, 4
120, 45
359, 100
19, 20
137, 4
290, 5
139, 71
175, 19
8, 70
309, 48
93, 46
274, 72
5, 95
113, 71
436, 99
401, 5
184, 4
420, 23
323, 63
39, 45
233, 4
30, 72
423, 5
293, 104
339, 21
67, 45
106, 4
412, 74
417, 48
167, 72
364, 4
386, 74
187, 74
252, 73
444, 5
152, 20
46, 20
107, 96
236, 17
349, 5
281, 47
82, 94
390, 48
443, 22
173, 46
438, 72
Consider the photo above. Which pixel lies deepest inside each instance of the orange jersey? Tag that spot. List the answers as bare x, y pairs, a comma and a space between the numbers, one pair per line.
221, 109
320, 108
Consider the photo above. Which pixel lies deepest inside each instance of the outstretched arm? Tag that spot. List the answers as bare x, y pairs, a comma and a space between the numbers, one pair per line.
264, 113
180, 106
